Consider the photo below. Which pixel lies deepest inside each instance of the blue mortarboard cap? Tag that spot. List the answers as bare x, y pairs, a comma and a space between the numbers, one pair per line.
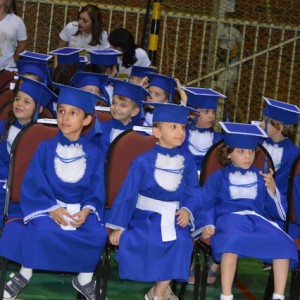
106, 57
38, 91
67, 55
38, 68
141, 71
34, 56
81, 79
132, 91
243, 136
170, 112
280, 111
203, 97
166, 83
76, 97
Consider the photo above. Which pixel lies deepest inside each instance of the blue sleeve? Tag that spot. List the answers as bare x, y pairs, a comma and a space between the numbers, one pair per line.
36, 194
126, 199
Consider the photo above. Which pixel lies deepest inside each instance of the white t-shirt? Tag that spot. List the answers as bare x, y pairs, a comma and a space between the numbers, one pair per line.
12, 30
142, 61
80, 41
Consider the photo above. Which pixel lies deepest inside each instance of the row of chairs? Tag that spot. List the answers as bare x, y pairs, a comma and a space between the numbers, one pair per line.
128, 145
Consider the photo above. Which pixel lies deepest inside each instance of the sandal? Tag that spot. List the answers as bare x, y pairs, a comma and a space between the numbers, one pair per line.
212, 275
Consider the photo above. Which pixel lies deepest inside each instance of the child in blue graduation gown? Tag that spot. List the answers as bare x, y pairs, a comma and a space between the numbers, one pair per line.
126, 104
32, 96
200, 134
154, 206
62, 201
241, 201
278, 121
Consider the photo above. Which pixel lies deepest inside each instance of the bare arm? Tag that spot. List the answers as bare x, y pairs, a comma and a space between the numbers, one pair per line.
22, 45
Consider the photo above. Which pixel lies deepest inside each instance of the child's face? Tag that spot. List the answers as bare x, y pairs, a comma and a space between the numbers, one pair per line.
157, 95
123, 109
71, 120
92, 89
143, 81
169, 135
112, 72
23, 107
242, 158
206, 118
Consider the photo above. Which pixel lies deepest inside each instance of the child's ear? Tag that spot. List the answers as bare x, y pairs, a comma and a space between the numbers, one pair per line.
156, 132
87, 120
280, 127
229, 156
41, 109
135, 111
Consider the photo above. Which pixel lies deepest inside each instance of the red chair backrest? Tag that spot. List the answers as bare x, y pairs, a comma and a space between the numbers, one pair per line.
6, 96
22, 151
6, 77
124, 149
211, 163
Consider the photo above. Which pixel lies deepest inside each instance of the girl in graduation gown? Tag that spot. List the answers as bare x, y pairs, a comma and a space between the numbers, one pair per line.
200, 134
28, 102
62, 201
161, 189
242, 201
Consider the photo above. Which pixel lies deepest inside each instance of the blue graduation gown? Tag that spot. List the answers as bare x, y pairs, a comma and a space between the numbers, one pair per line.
5, 149
41, 243
198, 141
283, 155
143, 255
110, 130
240, 207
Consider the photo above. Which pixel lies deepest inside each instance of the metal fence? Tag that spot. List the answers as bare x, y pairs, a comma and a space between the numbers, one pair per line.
244, 50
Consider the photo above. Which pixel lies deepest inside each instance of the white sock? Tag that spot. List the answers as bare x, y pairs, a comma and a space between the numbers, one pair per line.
84, 278
223, 297
26, 273
276, 296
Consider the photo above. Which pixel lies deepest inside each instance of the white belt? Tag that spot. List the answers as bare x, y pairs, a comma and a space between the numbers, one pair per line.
167, 211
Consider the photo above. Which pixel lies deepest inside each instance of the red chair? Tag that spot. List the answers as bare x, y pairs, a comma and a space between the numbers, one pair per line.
6, 77
211, 164
4, 110
21, 154
124, 149
6, 96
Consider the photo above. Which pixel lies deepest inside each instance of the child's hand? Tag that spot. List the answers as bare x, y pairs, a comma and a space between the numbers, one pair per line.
114, 238
58, 216
208, 231
79, 218
269, 180
181, 92
183, 217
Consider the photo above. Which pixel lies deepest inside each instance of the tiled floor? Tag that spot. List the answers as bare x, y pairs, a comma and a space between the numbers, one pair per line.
44, 285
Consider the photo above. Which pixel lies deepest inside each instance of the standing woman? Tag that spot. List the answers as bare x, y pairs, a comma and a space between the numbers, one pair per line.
13, 36
122, 40
87, 32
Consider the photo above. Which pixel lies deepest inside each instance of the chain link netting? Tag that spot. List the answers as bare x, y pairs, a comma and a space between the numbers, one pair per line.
244, 49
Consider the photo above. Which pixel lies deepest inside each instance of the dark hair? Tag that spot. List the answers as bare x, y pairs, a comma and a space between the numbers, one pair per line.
94, 13
287, 130
64, 72
123, 39
94, 68
10, 7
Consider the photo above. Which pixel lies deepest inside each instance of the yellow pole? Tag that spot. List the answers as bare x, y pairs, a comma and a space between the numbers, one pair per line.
153, 41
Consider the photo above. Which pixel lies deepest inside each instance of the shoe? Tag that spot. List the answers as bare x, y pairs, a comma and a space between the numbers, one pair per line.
169, 295
150, 295
14, 286
266, 266
88, 290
